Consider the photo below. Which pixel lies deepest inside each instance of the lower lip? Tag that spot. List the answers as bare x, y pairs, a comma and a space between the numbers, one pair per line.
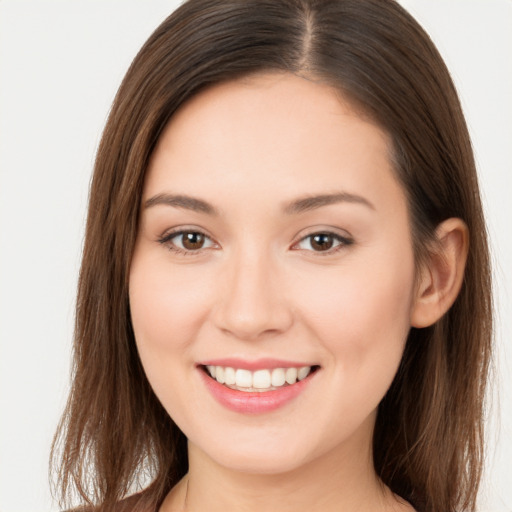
254, 402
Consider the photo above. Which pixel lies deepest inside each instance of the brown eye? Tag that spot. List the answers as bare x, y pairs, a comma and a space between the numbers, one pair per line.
187, 241
322, 242
192, 241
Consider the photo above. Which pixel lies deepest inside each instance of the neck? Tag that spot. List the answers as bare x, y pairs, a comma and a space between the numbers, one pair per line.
342, 479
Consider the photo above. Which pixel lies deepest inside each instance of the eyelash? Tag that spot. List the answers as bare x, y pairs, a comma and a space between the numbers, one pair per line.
343, 242
166, 240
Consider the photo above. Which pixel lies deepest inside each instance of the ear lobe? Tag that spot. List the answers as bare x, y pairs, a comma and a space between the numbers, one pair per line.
441, 278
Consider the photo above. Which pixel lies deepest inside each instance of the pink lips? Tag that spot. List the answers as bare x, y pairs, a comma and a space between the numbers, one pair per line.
260, 364
253, 402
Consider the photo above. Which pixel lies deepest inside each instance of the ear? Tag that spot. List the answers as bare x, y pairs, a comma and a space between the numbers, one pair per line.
441, 277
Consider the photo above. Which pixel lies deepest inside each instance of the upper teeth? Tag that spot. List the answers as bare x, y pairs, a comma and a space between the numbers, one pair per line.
245, 380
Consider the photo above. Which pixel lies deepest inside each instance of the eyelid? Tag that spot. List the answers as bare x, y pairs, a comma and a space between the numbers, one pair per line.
166, 238
344, 239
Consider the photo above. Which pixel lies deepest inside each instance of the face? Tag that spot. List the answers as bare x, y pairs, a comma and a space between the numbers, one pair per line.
272, 283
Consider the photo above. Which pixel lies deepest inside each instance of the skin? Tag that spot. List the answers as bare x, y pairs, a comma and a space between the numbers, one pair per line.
259, 288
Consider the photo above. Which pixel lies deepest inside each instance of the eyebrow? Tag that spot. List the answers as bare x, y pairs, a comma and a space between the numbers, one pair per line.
313, 202
300, 205
182, 201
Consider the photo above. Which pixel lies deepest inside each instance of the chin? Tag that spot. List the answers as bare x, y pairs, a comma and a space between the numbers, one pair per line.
270, 454
258, 463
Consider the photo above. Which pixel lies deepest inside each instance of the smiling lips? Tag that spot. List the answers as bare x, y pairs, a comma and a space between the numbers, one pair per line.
255, 391
259, 380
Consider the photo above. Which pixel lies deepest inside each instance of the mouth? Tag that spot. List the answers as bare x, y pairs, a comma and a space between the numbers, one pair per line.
258, 381
258, 386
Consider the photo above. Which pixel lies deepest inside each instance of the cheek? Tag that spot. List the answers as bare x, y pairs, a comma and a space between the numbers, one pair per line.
166, 305
166, 308
362, 315
361, 318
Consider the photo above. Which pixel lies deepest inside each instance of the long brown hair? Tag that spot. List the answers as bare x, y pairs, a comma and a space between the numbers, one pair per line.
428, 439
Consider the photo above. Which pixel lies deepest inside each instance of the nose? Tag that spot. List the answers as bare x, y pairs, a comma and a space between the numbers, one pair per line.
252, 301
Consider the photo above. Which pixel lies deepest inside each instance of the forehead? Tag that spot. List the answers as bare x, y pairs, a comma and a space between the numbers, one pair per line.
271, 134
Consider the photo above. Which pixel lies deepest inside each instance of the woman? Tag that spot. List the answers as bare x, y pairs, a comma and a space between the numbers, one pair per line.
284, 300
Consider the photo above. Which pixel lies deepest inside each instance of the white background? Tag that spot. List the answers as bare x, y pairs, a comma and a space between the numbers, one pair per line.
60, 65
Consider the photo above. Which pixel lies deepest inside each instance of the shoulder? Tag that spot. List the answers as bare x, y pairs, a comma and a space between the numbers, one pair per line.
134, 503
